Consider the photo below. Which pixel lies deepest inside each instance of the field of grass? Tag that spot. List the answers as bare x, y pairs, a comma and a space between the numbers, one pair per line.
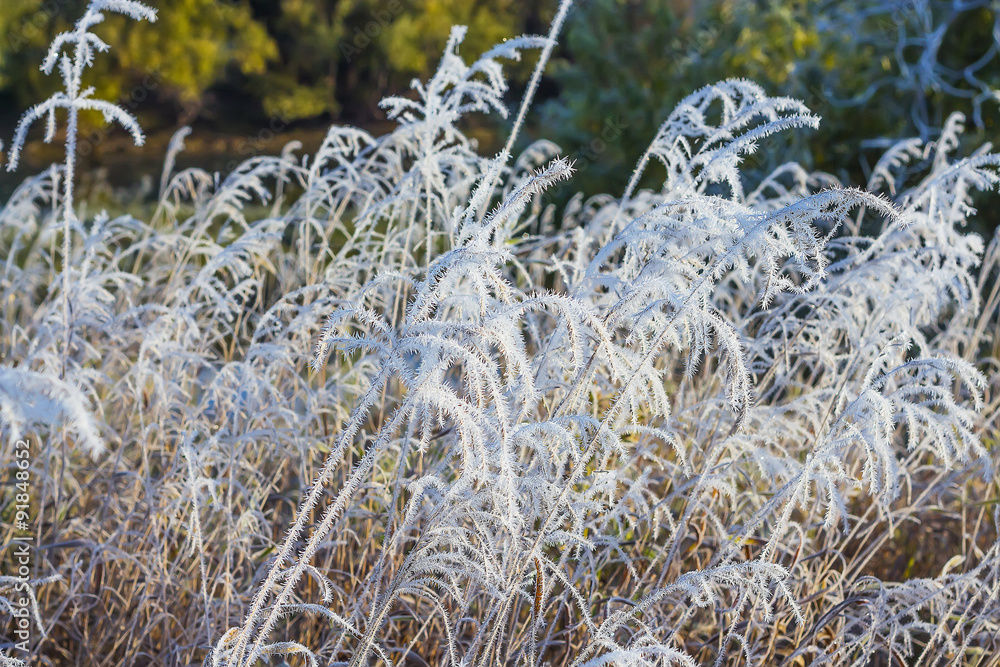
380, 403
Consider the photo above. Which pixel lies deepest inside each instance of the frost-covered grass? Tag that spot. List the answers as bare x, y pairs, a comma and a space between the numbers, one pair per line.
412, 416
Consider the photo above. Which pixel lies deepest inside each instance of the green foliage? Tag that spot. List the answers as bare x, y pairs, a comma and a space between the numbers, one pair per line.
24, 26
624, 66
413, 41
867, 70
197, 40
621, 67
376, 400
190, 49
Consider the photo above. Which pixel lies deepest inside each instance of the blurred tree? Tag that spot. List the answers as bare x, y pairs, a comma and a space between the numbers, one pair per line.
870, 68
387, 43
180, 56
414, 40
627, 63
18, 28
302, 80
193, 43
294, 59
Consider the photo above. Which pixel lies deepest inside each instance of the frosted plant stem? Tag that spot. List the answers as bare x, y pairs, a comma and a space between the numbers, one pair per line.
529, 94
67, 230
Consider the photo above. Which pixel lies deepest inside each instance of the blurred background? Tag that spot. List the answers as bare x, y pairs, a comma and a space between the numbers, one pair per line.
251, 75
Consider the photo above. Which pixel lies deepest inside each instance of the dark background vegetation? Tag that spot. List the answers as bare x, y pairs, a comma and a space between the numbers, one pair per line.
251, 75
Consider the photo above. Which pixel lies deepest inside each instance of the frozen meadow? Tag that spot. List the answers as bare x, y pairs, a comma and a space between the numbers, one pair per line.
383, 405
